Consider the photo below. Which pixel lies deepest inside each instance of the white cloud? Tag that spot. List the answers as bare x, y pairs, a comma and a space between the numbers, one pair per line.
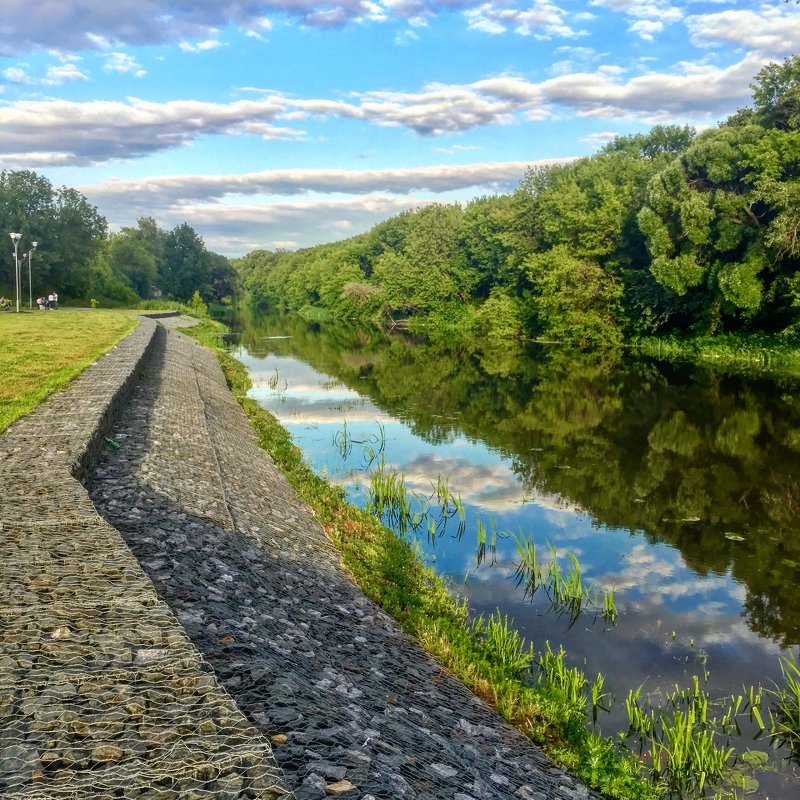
62, 73
600, 138
233, 227
55, 75
180, 189
772, 30
72, 25
18, 75
456, 148
200, 47
236, 230
690, 92
98, 131
646, 28
406, 37
543, 19
123, 64
650, 18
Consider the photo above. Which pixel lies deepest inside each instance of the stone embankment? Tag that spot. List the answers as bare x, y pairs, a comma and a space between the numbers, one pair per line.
101, 692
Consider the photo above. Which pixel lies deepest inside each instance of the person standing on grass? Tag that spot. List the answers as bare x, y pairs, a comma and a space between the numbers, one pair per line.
51, 300
55, 300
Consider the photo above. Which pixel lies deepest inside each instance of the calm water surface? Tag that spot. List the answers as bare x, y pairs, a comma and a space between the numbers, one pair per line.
676, 486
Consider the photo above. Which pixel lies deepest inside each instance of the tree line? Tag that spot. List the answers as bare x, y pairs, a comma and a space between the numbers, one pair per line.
78, 257
659, 233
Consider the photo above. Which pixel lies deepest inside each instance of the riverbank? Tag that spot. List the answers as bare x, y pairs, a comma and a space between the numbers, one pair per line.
352, 705
389, 572
756, 354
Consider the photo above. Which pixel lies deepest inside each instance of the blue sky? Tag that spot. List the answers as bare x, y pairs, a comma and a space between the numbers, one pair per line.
293, 122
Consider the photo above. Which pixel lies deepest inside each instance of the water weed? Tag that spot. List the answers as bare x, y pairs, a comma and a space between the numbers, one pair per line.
372, 447
785, 712
563, 586
684, 741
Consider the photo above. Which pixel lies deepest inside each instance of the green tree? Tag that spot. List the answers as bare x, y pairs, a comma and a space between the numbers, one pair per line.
223, 281
776, 95
186, 267
68, 229
129, 257
577, 300
721, 224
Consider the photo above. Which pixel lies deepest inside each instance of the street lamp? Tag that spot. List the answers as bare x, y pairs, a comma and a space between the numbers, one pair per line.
15, 237
30, 285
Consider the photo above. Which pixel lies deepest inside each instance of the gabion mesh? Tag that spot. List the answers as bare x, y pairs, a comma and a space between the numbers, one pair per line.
102, 695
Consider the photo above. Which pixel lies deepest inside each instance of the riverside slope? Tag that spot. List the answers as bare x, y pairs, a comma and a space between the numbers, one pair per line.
354, 706
101, 693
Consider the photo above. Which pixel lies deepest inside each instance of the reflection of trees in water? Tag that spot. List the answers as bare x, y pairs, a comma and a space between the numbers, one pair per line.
684, 455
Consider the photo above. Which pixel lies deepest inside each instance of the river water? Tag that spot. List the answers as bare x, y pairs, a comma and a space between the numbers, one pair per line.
678, 487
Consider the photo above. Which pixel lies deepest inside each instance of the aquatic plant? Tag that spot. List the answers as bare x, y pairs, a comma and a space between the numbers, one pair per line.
372, 447
482, 543
785, 715
343, 442
685, 748
274, 380
564, 586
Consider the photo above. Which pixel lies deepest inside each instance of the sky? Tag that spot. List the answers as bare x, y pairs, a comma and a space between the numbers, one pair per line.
289, 123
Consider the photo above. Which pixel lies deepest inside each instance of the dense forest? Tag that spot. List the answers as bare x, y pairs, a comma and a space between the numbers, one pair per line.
659, 233
78, 257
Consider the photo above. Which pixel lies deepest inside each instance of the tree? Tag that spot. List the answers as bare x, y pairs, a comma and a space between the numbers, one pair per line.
721, 223
223, 280
128, 256
186, 267
68, 229
776, 95
492, 244
427, 273
577, 301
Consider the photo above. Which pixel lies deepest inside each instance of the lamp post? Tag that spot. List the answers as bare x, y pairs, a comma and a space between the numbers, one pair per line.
30, 285
15, 237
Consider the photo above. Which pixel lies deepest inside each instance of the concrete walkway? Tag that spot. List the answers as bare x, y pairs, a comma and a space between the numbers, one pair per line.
157, 652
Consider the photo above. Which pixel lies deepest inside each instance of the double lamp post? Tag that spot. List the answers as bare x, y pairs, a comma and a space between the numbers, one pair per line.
15, 237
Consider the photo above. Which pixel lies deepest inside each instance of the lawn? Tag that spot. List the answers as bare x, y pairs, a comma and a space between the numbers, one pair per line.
42, 351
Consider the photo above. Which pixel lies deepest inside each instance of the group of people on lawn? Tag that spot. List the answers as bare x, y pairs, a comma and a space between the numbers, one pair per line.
45, 303
50, 302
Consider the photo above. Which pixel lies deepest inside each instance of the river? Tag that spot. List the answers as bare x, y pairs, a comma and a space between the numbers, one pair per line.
677, 486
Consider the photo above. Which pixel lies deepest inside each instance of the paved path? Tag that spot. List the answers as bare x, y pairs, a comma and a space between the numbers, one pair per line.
353, 706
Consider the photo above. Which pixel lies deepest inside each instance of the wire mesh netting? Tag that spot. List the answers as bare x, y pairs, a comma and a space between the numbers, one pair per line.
102, 694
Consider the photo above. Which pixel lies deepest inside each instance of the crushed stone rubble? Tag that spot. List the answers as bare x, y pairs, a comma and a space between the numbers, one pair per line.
102, 694
184, 630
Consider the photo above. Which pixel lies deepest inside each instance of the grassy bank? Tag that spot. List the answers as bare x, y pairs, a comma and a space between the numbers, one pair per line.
41, 352
542, 697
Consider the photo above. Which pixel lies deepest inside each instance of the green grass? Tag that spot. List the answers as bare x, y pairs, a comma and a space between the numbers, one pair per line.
540, 696
41, 352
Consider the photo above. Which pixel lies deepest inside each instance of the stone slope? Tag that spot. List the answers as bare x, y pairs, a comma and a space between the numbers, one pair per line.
355, 706
101, 692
